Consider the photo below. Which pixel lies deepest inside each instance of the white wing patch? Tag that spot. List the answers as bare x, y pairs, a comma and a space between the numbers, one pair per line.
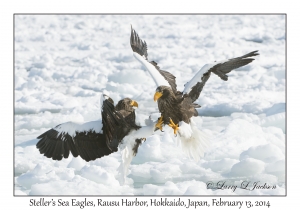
71, 127
197, 78
156, 76
102, 99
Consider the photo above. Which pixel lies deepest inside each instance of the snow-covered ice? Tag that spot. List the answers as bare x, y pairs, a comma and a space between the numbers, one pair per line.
63, 64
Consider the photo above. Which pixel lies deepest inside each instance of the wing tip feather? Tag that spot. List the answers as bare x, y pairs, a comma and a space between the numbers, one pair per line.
137, 44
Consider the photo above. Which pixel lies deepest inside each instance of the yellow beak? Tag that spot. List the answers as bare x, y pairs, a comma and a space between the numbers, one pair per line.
157, 95
134, 103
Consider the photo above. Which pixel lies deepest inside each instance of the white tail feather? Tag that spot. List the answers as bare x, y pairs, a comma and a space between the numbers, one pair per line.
193, 145
126, 158
128, 144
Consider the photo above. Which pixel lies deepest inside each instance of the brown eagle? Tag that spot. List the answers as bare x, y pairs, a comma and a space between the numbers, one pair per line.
94, 139
177, 108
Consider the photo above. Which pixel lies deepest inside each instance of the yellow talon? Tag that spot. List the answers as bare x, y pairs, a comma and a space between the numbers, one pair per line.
172, 125
159, 123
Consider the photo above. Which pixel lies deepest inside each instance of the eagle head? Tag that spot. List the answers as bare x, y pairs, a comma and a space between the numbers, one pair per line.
162, 92
126, 104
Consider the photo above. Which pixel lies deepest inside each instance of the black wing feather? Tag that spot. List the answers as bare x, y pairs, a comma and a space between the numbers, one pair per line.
66, 150
89, 145
113, 121
53, 146
72, 146
137, 44
221, 70
197, 89
140, 47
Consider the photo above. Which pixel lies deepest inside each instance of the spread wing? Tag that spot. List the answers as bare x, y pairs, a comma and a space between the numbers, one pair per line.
89, 140
159, 76
84, 140
114, 125
194, 87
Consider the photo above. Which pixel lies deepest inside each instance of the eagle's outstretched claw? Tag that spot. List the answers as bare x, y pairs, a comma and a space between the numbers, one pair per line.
175, 127
137, 144
159, 124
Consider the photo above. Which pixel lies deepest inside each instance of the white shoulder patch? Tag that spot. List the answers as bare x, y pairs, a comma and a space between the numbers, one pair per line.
102, 99
197, 78
156, 76
71, 127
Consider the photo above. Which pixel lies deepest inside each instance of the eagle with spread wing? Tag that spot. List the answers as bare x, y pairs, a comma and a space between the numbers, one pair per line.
177, 108
94, 139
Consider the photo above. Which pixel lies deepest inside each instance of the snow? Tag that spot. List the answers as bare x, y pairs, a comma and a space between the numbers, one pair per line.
64, 63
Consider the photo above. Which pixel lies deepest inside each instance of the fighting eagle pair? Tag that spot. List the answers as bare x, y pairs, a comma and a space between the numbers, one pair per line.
96, 139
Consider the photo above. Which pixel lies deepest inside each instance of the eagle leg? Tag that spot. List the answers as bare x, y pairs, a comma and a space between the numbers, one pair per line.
159, 123
172, 125
138, 142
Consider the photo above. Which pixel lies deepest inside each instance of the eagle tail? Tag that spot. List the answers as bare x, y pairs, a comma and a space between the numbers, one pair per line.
194, 145
129, 149
126, 155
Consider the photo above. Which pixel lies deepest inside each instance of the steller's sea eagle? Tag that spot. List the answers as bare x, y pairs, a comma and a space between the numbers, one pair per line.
94, 139
177, 108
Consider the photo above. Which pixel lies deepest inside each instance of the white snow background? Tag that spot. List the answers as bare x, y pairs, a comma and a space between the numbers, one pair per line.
63, 63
